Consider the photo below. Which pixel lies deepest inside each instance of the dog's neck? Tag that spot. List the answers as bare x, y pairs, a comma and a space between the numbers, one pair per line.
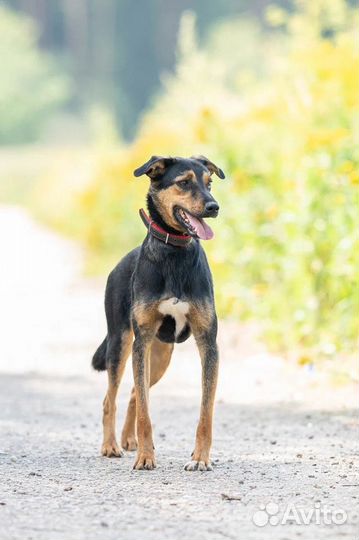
157, 218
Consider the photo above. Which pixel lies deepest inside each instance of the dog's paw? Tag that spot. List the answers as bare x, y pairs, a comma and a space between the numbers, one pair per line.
129, 443
145, 461
111, 449
194, 465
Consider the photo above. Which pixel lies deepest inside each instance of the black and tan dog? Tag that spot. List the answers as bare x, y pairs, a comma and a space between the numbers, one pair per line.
159, 294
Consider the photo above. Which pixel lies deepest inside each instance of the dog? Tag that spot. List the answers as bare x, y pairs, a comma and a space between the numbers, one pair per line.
158, 295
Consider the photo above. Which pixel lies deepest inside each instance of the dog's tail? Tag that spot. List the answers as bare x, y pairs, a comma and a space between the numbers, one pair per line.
99, 358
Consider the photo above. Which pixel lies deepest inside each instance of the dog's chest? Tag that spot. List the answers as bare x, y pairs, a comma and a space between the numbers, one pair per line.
176, 309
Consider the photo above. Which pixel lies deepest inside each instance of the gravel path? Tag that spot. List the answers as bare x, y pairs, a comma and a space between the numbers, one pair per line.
283, 437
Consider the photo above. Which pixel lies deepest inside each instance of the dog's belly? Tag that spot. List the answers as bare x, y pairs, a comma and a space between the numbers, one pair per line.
174, 327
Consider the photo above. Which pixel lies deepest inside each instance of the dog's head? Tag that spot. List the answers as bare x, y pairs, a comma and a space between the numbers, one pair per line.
181, 192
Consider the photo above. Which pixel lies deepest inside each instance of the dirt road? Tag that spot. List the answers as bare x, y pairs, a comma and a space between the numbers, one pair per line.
283, 436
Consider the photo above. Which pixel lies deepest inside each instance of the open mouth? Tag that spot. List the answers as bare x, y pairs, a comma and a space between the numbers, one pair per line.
195, 226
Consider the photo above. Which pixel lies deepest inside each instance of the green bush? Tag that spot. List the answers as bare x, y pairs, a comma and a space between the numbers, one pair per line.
30, 88
280, 122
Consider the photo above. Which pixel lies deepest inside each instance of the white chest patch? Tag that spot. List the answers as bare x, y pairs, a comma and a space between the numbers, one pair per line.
177, 309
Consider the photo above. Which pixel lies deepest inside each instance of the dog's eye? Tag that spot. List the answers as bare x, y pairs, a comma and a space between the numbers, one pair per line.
184, 183
209, 185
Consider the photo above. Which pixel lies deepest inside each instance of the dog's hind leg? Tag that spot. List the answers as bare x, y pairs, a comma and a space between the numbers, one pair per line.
160, 359
118, 350
128, 436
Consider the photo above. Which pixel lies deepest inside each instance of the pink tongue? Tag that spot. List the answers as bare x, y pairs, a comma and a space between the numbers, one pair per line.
202, 229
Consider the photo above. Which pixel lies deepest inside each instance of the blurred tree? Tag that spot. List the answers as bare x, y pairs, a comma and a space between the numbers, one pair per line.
117, 50
278, 111
30, 88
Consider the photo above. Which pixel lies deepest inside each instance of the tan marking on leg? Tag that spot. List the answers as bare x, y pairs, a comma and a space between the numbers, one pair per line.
202, 324
147, 315
128, 436
110, 447
141, 372
201, 317
147, 320
160, 359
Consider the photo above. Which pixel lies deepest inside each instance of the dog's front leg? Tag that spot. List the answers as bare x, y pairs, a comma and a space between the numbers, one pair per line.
141, 372
206, 342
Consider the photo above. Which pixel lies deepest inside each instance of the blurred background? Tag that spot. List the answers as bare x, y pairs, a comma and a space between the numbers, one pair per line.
89, 90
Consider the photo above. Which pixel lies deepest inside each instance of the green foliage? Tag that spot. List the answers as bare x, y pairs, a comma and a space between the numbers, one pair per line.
30, 89
279, 120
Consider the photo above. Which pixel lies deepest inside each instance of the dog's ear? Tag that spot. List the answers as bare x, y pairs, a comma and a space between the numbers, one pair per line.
154, 167
210, 166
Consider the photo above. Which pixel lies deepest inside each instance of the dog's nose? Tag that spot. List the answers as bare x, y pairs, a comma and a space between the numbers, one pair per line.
211, 209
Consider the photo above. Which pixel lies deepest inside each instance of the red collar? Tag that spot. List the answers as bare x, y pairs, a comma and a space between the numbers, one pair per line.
178, 240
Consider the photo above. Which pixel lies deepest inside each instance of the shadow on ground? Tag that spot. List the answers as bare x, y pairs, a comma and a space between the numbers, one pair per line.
55, 484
